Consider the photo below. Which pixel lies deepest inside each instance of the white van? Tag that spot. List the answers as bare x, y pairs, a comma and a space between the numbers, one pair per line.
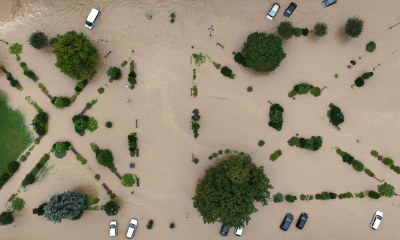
91, 19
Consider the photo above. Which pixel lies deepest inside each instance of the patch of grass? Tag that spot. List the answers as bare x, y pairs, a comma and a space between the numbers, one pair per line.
15, 135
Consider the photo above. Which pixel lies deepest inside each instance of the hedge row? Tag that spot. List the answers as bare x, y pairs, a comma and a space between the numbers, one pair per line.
13, 82
220, 152
335, 115
30, 177
386, 161
357, 165
275, 155
132, 142
313, 144
195, 126
43, 88
132, 75
359, 82
304, 88
276, 117
324, 196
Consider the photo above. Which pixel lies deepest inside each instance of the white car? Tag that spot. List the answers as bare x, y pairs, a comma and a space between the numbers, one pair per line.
239, 231
113, 228
376, 220
273, 11
91, 19
131, 228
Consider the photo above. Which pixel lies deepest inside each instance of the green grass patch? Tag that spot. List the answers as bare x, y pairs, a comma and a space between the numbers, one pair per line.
15, 135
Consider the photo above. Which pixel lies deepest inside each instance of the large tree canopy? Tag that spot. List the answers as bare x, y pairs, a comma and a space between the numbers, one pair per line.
66, 205
263, 52
228, 191
76, 56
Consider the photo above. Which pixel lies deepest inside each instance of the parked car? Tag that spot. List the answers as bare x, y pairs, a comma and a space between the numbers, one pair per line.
91, 19
327, 3
131, 228
290, 9
113, 229
273, 11
302, 220
376, 220
239, 231
286, 222
224, 230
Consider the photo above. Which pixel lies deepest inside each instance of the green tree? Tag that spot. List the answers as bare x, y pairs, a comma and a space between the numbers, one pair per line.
105, 158
367, 75
92, 124
286, 29
320, 29
114, 73
359, 82
354, 27
304, 88
38, 40
111, 208
76, 56
66, 205
16, 49
6, 218
128, 180
18, 203
371, 46
336, 116
386, 190
263, 52
13, 166
374, 195
388, 161
228, 191
62, 102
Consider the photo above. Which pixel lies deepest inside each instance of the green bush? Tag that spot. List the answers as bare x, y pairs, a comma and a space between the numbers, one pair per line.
105, 158
354, 27
388, 161
275, 155
172, 225
40, 210
16, 49
128, 180
316, 91
380, 157
302, 197
332, 195
37, 40
289, 198
114, 73
368, 172
359, 82
304, 31
360, 195
353, 62
30, 74
286, 29
22, 158
292, 93
239, 58
100, 90
336, 116
396, 169
297, 32
29, 179
349, 195
44, 159
59, 155
374, 195
4, 177
23, 66
371, 46
367, 75
62, 146
261, 143
132, 80
278, 197
318, 196
226, 71
325, 196
6, 218
108, 124
304, 88
374, 153
263, 53
53, 40
358, 166
111, 208
18, 203
13, 166
320, 29
61, 102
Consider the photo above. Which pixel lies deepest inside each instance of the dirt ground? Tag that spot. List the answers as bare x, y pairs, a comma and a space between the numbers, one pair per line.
231, 117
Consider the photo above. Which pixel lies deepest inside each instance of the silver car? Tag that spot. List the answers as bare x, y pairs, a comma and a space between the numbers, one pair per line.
376, 220
131, 228
273, 11
113, 229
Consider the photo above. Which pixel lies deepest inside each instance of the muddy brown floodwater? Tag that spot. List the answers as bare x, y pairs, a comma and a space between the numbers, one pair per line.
231, 117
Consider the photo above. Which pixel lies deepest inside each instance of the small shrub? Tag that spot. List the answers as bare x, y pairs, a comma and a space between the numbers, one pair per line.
149, 15
349, 195
374, 195
302, 197
250, 89
304, 31
6, 218
367, 75
298, 32
172, 15
325, 196
112, 196
292, 93
13, 166
30, 74
388, 161
100, 90
22, 158
318, 196
286, 29
380, 157
172, 225
315, 91
354, 27
226, 71
29, 179
172, 20
108, 124
359, 82
18, 203
23, 66
353, 62
38, 40
360, 195
278, 197
332, 195
114, 73
358, 166
275, 155
28, 153
374, 153
320, 29
261, 143
289, 198
371, 46
61, 102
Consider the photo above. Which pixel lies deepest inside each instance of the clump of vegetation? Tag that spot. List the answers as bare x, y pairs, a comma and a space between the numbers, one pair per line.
81, 85
172, 225
304, 88
374, 195
313, 144
89, 105
13, 82
239, 58
6, 218
320, 29
194, 74
114, 73
100, 90
298, 32
290, 198
132, 142
39, 123
38, 40
132, 74
261, 143
335, 115
367, 75
200, 58
195, 125
16, 49
354, 27
108, 124
149, 15
216, 65
61, 102
371, 46
359, 82
304, 31
83, 122
250, 89
67, 205
30, 74
227, 72
353, 62
53, 40
150, 224
276, 117
18, 203
104, 157
286, 29
278, 197
195, 90
196, 160
128, 180
172, 17
275, 155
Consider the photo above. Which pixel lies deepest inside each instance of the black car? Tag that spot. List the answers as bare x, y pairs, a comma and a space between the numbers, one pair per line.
290, 9
302, 220
327, 3
286, 222
224, 231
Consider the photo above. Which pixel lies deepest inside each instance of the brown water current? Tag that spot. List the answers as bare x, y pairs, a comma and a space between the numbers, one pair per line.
231, 117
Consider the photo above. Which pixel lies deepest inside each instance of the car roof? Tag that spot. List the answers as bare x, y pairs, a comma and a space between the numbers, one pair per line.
92, 15
289, 215
379, 213
113, 222
134, 221
239, 231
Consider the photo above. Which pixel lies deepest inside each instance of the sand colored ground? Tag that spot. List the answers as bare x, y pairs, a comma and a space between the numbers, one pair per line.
231, 117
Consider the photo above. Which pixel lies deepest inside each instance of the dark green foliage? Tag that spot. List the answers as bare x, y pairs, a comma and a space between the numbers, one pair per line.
173, 15
112, 196
346, 157
172, 225
59, 155
332, 195
172, 20
336, 116
150, 224
76, 56
325, 196
295, 142
13, 166
72, 32
380, 157
374, 195
40, 210
278, 197
111, 208
350, 160
30, 74
61, 102
359, 82
100, 90
367, 75
4, 177
94, 147
371, 46
314, 143
131, 80
286, 29
44, 159
261, 143
320, 29
81, 85
388, 161
81, 123
108, 124
6, 218
360, 195
132, 142
114, 73
292, 93
396, 169
276, 117
66, 205
318, 196
353, 62
41, 117
240, 59
275, 155
304, 31
289, 198
343, 195
303, 88
354, 27
297, 32
38, 166
226, 71
316, 91
374, 153
105, 158
358, 166
53, 40
349, 195
37, 40
368, 172
386, 190
302, 197
29, 179
239, 177
263, 52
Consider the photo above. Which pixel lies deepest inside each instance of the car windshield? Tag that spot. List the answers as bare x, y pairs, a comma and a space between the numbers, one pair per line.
272, 13
379, 217
288, 11
112, 226
288, 220
132, 226
88, 23
303, 218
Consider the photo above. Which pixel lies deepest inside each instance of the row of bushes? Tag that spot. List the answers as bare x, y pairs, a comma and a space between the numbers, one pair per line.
286, 30
324, 196
12, 167
30, 177
276, 117
13, 82
194, 73
132, 75
33, 103
350, 160
304, 88
104, 157
83, 122
81, 85
132, 142
83, 160
89, 105
40, 122
335, 115
195, 125
195, 90
386, 161
220, 152
313, 144
61, 102
275, 155
359, 82
43, 88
